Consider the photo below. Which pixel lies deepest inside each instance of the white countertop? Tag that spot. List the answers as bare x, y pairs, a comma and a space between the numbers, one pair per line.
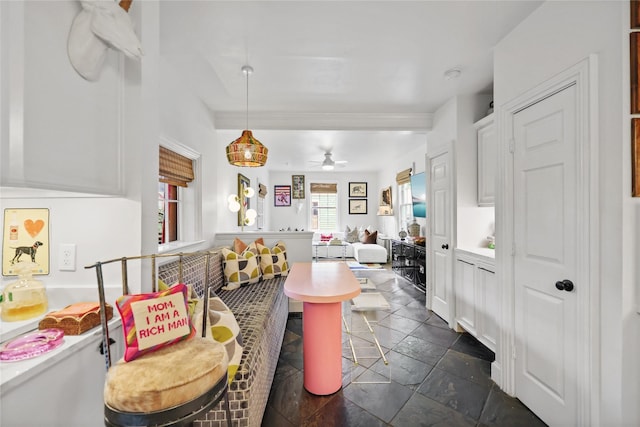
14, 373
489, 254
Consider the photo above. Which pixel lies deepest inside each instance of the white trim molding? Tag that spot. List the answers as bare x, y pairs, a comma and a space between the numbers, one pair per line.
325, 121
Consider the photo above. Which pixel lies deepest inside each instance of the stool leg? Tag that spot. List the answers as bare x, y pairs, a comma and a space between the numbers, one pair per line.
226, 407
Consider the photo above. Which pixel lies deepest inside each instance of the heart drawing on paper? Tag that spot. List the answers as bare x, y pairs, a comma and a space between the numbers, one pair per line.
33, 227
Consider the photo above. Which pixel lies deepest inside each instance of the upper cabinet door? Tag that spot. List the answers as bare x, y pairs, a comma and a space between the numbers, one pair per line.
487, 160
59, 131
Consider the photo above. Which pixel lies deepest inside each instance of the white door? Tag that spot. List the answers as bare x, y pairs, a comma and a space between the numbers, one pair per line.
545, 217
440, 224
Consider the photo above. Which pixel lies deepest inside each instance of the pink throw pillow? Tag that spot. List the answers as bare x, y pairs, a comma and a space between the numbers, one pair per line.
154, 320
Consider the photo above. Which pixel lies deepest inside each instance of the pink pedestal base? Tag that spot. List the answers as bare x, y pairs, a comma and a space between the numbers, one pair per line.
322, 347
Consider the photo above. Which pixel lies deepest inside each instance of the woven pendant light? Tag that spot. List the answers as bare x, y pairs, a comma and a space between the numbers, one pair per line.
247, 151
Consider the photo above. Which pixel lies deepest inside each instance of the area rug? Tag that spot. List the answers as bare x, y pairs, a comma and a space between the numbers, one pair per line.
355, 265
369, 301
366, 284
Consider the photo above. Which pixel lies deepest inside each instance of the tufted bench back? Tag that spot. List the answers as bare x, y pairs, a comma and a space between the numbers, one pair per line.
193, 268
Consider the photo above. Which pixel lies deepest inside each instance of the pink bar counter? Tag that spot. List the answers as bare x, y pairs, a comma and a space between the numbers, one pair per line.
322, 287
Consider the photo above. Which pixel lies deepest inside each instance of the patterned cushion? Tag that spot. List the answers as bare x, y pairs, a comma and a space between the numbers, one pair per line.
240, 269
273, 262
351, 236
223, 327
239, 246
154, 320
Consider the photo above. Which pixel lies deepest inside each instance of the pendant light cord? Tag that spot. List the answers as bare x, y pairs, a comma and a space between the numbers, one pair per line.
247, 121
247, 69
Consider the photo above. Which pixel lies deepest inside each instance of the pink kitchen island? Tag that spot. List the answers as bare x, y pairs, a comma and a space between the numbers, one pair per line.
322, 287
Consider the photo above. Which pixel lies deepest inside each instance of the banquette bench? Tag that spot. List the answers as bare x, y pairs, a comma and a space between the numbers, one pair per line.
261, 310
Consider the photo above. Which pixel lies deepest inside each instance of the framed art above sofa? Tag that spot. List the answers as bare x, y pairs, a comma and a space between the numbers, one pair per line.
357, 206
357, 189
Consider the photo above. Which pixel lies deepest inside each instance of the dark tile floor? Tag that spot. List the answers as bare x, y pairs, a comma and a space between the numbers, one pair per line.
438, 377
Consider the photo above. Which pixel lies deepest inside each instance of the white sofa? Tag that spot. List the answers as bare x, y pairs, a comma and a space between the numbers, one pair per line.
361, 252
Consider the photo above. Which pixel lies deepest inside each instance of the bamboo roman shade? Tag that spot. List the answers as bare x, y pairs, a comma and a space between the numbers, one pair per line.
404, 177
175, 169
324, 188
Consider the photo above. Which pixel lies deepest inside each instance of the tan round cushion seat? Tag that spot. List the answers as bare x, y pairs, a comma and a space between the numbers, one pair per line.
168, 377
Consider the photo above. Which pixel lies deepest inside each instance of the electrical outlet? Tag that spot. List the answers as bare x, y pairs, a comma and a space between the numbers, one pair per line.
67, 257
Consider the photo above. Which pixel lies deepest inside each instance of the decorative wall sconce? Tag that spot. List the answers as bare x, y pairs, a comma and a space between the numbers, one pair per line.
236, 204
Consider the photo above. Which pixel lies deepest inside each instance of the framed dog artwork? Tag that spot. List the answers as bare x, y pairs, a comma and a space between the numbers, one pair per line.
25, 239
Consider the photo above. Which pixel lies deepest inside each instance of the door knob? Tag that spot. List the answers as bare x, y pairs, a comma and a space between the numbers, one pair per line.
445, 246
565, 285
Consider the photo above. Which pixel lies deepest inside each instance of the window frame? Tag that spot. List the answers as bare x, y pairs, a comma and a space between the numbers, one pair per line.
311, 208
405, 204
189, 207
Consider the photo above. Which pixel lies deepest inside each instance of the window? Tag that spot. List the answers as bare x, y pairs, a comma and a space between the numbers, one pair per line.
405, 211
178, 196
167, 213
405, 205
324, 207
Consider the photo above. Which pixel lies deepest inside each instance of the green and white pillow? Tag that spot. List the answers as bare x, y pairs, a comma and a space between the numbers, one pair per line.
224, 328
273, 262
240, 269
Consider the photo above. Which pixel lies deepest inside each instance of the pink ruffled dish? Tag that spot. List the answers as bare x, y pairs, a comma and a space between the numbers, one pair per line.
31, 345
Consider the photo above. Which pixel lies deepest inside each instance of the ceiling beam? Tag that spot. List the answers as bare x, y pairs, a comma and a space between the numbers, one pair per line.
325, 121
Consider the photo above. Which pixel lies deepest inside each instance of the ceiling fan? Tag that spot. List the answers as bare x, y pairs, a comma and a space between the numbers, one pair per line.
329, 164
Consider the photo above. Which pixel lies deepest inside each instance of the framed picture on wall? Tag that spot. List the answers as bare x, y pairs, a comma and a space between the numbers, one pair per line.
385, 197
25, 240
357, 189
243, 182
282, 195
297, 182
357, 206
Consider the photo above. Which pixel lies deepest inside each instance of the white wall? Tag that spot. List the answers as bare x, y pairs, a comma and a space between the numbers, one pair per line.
101, 228
298, 214
70, 128
285, 217
553, 38
52, 118
185, 120
474, 223
386, 177
454, 122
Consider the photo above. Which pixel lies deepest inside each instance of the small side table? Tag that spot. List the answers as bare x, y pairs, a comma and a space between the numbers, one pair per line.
386, 243
327, 245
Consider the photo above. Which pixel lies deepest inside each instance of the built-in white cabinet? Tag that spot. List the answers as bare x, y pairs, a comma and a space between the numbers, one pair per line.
62, 388
476, 294
487, 160
465, 295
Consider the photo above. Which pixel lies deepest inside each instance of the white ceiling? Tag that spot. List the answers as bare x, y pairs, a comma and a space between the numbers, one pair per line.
332, 75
